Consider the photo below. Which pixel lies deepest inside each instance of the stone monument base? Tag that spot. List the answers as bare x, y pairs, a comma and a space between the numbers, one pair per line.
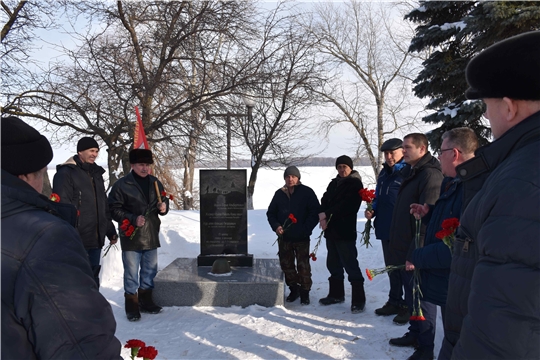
183, 283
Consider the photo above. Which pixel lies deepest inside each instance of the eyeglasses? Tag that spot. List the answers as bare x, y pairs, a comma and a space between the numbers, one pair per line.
440, 151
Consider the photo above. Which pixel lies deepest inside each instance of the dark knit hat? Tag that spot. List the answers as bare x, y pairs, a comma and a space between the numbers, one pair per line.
24, 149
392, 144
87, 143
344, 159
140, 156
509, 68
292, 170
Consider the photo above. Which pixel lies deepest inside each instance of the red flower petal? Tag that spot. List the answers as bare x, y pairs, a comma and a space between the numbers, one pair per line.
134, 343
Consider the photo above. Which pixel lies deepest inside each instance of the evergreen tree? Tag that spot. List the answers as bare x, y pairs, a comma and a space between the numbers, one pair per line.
454, 32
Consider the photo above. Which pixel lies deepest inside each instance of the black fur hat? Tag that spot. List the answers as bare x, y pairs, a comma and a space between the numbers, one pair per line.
509, 68
140, 156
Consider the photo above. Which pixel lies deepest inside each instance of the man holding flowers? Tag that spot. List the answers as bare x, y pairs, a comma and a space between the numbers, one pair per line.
339, 207
422, 179
388, 184
135, 204
292, 214
434, 258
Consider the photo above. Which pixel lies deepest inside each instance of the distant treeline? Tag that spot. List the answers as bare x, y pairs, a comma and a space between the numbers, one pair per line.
314, 161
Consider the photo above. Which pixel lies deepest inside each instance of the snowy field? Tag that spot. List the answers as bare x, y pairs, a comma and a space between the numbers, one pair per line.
292, 331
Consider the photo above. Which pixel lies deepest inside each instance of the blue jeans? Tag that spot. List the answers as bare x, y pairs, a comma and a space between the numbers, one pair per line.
343, 255
146, 261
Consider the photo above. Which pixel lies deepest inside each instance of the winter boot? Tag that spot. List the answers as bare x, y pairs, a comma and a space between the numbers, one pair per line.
358, 302
406, 340
294, 294
336, 293
146, 304
132, 307
388, 309
304, 297
403, 316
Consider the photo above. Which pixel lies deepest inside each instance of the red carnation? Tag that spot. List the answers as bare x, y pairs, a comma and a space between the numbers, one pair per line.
452, 223
134, 343
163, 194
293, 219
148, 352
55, 197
171, 197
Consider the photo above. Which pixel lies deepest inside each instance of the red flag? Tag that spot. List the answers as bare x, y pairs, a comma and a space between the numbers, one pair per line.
139, 138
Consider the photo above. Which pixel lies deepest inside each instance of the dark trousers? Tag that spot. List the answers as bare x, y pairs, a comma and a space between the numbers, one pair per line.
94, 256
301, 273
343, 255
395, 295
424, 330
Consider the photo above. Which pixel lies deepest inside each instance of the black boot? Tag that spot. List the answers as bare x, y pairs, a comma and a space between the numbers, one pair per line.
304, 297
132, 307
336, 293
358, 302
146, 304
294, 294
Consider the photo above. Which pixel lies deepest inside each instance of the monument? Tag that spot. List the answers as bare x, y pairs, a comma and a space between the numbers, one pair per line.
223, 212
240, 280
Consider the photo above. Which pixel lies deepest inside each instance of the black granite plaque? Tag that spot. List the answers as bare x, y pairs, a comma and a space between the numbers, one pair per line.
223, 217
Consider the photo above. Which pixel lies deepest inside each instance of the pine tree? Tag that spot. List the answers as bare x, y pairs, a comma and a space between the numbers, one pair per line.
456, 31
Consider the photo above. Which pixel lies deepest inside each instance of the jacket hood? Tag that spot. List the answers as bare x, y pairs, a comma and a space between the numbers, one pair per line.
70, 161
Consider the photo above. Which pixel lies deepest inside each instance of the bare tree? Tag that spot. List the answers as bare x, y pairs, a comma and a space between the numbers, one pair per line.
279, 131
170, 58
368, 49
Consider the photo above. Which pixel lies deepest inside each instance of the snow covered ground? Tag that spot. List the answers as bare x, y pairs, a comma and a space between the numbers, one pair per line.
283, 332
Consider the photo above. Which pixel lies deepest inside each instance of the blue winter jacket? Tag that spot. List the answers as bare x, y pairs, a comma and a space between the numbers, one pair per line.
435, 257
388, 184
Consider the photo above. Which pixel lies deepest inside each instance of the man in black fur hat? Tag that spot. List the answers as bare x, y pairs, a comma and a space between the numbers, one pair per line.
51, 307
135, 205
79, 181
493, 305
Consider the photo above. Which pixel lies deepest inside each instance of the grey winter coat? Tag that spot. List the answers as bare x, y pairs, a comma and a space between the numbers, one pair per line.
127, 201
498, 286
81, 184
421, 184
51, 306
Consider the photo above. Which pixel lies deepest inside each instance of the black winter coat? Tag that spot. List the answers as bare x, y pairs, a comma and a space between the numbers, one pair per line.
434, 258
388, 184
496, 267
421, 184
127, 201
82, 185
303, 204
340, 203
51, 306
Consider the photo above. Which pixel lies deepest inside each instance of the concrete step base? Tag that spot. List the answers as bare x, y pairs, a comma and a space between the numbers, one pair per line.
183, 283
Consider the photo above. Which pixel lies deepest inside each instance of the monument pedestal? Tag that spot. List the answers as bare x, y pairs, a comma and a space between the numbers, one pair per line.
183, 283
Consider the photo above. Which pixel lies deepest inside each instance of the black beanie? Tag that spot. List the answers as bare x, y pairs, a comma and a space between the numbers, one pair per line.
507, 69
24, 149
292, 170
140, 156
344, 159
87, 143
